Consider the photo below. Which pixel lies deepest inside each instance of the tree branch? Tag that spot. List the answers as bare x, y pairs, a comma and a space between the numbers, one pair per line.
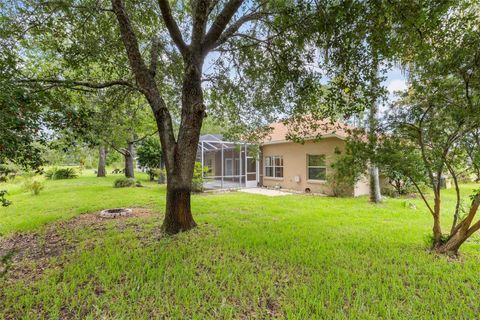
457, 192
220, 24
172, 27
146, 81
234, 27
422, 195
87, 84
200, 18
130, 41
154, 53
144, 137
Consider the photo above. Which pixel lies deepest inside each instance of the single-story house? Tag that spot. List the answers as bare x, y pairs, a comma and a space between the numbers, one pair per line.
304, 166
277, 162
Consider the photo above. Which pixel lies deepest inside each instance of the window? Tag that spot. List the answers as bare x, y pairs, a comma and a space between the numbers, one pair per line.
274, 166
316, 168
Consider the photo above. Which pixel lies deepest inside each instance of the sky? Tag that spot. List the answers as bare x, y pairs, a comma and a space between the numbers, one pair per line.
395, 81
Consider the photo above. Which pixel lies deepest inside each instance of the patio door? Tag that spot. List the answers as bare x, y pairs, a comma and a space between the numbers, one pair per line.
251, 172
228, 167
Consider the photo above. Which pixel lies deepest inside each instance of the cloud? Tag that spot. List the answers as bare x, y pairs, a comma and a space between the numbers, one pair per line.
396, 85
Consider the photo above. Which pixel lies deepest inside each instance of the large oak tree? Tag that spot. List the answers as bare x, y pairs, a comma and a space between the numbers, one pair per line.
257, 64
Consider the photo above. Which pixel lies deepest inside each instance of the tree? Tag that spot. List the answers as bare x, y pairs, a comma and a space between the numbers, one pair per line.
102, 159
114, 120
259, 61
402, 164
441, 109
149, 155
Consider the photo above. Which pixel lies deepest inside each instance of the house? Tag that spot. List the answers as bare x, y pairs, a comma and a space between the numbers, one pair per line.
304, 166
276, 162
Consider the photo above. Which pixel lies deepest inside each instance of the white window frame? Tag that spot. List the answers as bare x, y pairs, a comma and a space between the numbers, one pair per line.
274, 167
316, 167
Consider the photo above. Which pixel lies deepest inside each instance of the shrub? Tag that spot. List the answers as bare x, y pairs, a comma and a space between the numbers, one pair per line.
197, 181
7, 172
161, 174
124, 183
3, 201
61, 173
34, 186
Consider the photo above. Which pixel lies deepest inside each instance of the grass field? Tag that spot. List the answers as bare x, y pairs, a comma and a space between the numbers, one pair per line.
295, 257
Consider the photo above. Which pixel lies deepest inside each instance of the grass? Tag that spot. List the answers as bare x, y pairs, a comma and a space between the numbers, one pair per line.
295, 257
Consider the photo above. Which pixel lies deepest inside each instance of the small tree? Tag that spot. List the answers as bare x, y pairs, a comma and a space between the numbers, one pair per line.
149, 155
401, 164
441, 109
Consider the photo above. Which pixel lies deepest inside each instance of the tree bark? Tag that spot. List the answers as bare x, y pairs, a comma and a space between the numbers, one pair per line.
102, 158
128, 155
437, 229
375, 195
178, 215
462, 231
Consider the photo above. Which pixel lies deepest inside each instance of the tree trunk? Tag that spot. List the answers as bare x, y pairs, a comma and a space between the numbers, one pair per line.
375, 195
452, 245
462, 231
437, 229
178, 215
128, 155
102, 157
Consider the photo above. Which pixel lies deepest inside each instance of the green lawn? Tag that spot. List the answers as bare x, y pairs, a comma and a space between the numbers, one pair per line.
295, 257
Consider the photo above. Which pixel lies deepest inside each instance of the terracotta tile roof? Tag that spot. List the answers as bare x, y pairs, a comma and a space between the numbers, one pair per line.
306, 130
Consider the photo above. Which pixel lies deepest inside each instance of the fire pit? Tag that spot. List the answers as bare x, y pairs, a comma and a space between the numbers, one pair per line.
117, 212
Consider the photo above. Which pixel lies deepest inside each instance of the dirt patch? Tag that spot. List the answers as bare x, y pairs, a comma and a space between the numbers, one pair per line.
27, 255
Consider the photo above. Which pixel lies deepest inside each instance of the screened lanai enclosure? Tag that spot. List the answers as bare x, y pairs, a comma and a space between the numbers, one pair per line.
228, 165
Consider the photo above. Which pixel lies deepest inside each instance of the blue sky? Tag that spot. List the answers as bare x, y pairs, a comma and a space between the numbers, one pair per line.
395, 81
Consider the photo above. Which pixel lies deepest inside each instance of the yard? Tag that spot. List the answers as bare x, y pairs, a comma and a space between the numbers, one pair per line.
296, 257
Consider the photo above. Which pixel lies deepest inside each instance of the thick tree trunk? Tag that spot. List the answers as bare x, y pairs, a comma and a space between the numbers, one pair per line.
128, 155
178, 216
102, 158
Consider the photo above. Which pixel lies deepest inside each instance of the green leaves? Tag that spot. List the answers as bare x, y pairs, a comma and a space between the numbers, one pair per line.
5, 202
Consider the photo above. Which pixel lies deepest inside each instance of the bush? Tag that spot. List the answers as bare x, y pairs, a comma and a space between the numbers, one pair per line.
4, 201
7, 172
125, 183
197, 181
34, 186
161, 174
61, 173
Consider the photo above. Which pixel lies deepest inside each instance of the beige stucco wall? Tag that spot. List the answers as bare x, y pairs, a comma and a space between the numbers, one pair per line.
362, 187
295, 163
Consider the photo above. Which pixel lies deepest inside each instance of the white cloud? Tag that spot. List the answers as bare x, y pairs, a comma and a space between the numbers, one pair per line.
396, 85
